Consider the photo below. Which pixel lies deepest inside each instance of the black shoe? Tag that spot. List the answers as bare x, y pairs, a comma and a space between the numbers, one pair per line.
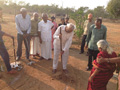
49, 59
38, 55
88, 69
54, 71
41, 58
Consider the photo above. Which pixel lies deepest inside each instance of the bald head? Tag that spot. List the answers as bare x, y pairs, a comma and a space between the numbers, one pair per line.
23, 12
90, 16
70, 27
44, 17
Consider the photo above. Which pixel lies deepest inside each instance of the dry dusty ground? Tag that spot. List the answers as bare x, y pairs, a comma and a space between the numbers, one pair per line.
39, 75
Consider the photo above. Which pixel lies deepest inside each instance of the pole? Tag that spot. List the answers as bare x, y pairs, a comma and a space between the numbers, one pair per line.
14, 50
61, 47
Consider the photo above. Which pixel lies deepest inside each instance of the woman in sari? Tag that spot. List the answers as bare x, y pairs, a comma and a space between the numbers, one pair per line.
53, 29
102, 73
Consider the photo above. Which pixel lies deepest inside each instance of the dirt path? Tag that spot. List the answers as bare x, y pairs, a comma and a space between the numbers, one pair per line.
40, 77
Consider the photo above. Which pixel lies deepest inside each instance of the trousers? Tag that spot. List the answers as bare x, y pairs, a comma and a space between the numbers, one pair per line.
5, 56
26, 40
56, 57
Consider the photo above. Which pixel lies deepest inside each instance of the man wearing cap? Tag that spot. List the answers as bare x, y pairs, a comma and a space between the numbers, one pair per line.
23, 26
96, 32
86, 27
35, 44
64, 32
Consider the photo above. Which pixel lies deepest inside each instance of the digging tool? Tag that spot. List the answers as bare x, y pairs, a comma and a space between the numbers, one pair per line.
1, 68
16, 65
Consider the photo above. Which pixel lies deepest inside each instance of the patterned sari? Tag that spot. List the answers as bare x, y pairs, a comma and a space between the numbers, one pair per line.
101, 79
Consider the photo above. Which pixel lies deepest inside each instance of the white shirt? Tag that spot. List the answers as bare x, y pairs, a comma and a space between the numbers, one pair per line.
66, 38
45, 29
23, 24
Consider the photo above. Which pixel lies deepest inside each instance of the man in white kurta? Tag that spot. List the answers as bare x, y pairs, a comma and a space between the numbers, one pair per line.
45, 35
66, 35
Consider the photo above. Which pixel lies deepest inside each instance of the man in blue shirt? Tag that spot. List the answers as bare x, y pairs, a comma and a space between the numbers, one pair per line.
96, 32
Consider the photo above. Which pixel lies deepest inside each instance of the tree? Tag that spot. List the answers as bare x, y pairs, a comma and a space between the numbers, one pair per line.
100, 12
21, 3
79, 17
113, 8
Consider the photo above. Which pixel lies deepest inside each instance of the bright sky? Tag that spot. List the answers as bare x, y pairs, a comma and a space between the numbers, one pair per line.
70, 3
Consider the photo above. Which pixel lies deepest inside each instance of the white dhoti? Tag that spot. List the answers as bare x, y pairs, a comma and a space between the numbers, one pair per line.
46, 50
35, 46
56, 57
66, 43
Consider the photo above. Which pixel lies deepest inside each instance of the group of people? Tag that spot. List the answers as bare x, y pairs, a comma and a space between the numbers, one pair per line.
101, 57
41, 37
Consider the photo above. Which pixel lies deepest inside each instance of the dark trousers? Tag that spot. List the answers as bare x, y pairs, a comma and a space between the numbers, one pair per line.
4, 54
26, 40
92, 56
83, 43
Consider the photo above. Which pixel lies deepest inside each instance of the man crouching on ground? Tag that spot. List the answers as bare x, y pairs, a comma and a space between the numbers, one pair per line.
64, 32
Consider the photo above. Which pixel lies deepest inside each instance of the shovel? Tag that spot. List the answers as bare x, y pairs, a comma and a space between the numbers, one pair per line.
15, 65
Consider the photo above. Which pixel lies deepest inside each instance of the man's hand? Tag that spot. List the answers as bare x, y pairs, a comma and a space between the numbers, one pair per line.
100, 60
60, 35
12, 37
31, 36
86, 46
62, 52
90, 79
25, 35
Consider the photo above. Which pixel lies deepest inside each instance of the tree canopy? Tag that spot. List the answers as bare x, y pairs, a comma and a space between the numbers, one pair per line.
113, 8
